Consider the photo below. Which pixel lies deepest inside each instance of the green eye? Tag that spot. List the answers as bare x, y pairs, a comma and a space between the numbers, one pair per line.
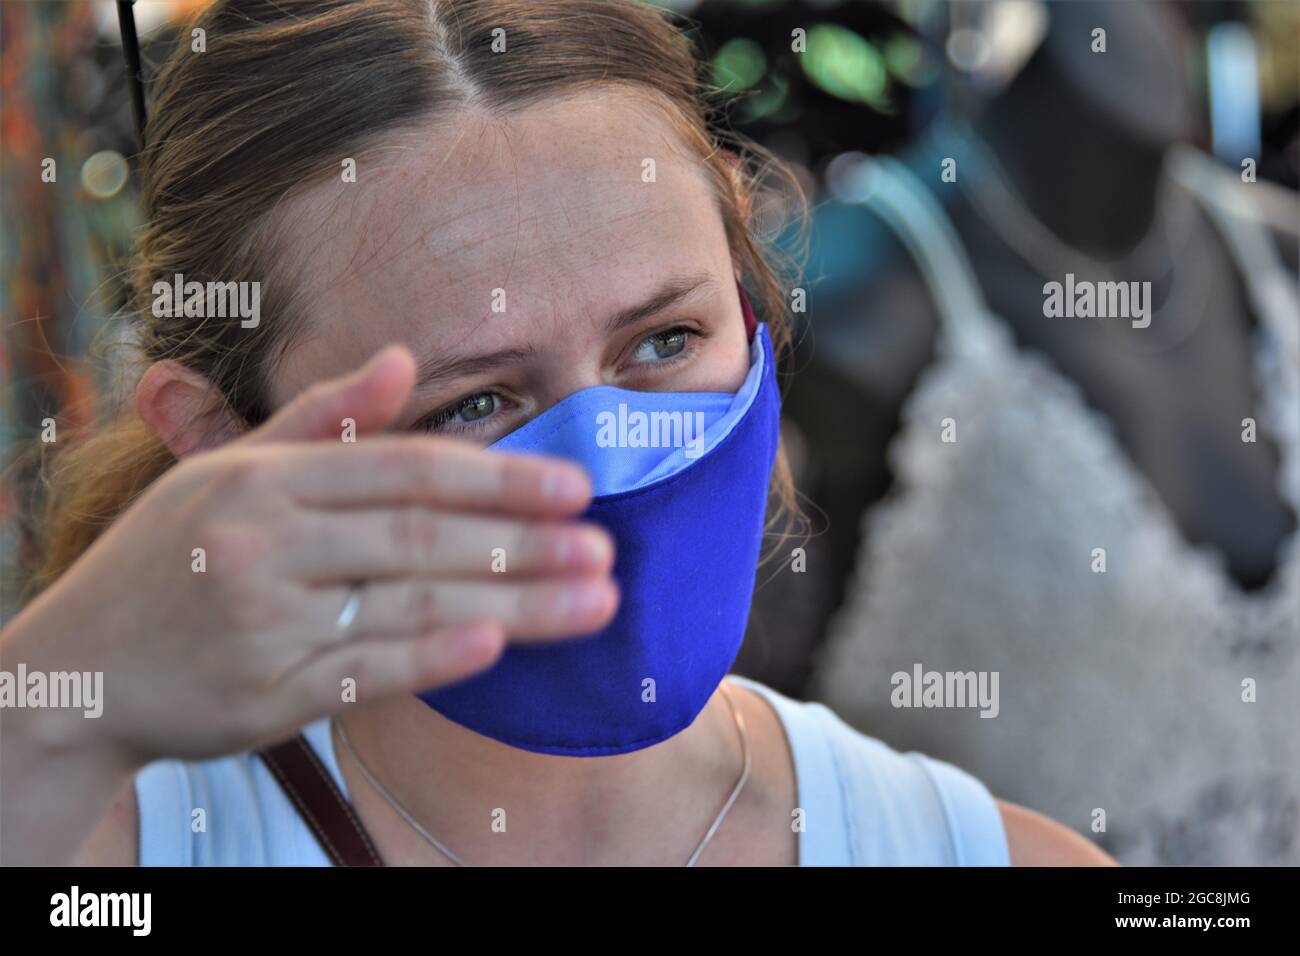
464, 412
662, 345
477, 406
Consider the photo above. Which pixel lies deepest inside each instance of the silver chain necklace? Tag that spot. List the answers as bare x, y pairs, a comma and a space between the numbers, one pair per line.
1047, 254
445, 851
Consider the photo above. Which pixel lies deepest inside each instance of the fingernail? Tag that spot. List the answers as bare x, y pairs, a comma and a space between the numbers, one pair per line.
597, 549
374, 361
581, 549
472, 639
581, 600
562, 484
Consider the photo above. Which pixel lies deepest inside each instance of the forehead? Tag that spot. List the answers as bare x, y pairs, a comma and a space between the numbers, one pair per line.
561, 213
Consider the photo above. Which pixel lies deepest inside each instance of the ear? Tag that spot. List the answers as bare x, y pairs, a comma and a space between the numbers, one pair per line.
186, 411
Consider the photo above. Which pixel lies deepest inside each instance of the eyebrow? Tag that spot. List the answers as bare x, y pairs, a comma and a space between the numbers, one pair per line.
669, 293
673, 290
433, 371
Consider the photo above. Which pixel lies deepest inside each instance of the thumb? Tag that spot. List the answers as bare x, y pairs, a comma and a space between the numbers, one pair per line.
372, 396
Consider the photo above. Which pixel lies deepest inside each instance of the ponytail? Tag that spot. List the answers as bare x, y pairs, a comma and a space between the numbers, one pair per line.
79, 490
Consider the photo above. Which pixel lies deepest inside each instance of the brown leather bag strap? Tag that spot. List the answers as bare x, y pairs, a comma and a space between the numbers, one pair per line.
319, 802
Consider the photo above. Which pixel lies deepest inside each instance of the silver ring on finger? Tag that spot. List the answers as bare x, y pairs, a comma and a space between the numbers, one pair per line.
347, 616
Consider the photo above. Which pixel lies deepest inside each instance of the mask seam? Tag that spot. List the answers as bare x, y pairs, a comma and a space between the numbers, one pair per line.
573, 415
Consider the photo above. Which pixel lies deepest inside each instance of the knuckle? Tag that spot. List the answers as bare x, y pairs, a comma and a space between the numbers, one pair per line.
242, 478
426, 607
415, 534
252, 608
416, 462
233, 550
393, 453
238, 580
366, 671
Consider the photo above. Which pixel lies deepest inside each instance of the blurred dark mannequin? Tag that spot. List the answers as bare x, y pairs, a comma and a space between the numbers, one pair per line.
1082, 137
1085, 146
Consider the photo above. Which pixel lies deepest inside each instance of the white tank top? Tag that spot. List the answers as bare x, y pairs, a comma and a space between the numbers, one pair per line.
864, 804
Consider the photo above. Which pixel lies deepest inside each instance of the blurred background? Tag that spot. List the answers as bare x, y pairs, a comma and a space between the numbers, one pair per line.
1072, 503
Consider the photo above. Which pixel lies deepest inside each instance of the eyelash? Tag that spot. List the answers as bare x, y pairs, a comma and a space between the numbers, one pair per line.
442, 416
438, 420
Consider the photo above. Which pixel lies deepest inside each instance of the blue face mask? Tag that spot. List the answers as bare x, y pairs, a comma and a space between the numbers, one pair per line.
687, 522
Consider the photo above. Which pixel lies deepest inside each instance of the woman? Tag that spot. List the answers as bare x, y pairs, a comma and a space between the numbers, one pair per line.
472, 224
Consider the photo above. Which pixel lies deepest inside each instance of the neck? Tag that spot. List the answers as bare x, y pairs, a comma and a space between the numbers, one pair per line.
650, 806
1080, 173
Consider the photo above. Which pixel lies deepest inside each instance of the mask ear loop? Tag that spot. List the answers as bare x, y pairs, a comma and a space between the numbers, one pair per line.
751, 323
131, 53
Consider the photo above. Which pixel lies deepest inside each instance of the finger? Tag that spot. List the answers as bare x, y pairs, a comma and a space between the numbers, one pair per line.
372, 396
363, 544
526, 611
380, 668
418, 469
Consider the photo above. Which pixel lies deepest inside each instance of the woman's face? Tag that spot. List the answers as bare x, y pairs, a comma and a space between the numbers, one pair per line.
520, 260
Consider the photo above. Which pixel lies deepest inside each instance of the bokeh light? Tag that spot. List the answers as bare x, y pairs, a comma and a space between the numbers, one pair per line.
845, 65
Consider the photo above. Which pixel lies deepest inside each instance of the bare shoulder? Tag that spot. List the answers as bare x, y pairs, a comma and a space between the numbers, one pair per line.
1036, 840
115, 841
